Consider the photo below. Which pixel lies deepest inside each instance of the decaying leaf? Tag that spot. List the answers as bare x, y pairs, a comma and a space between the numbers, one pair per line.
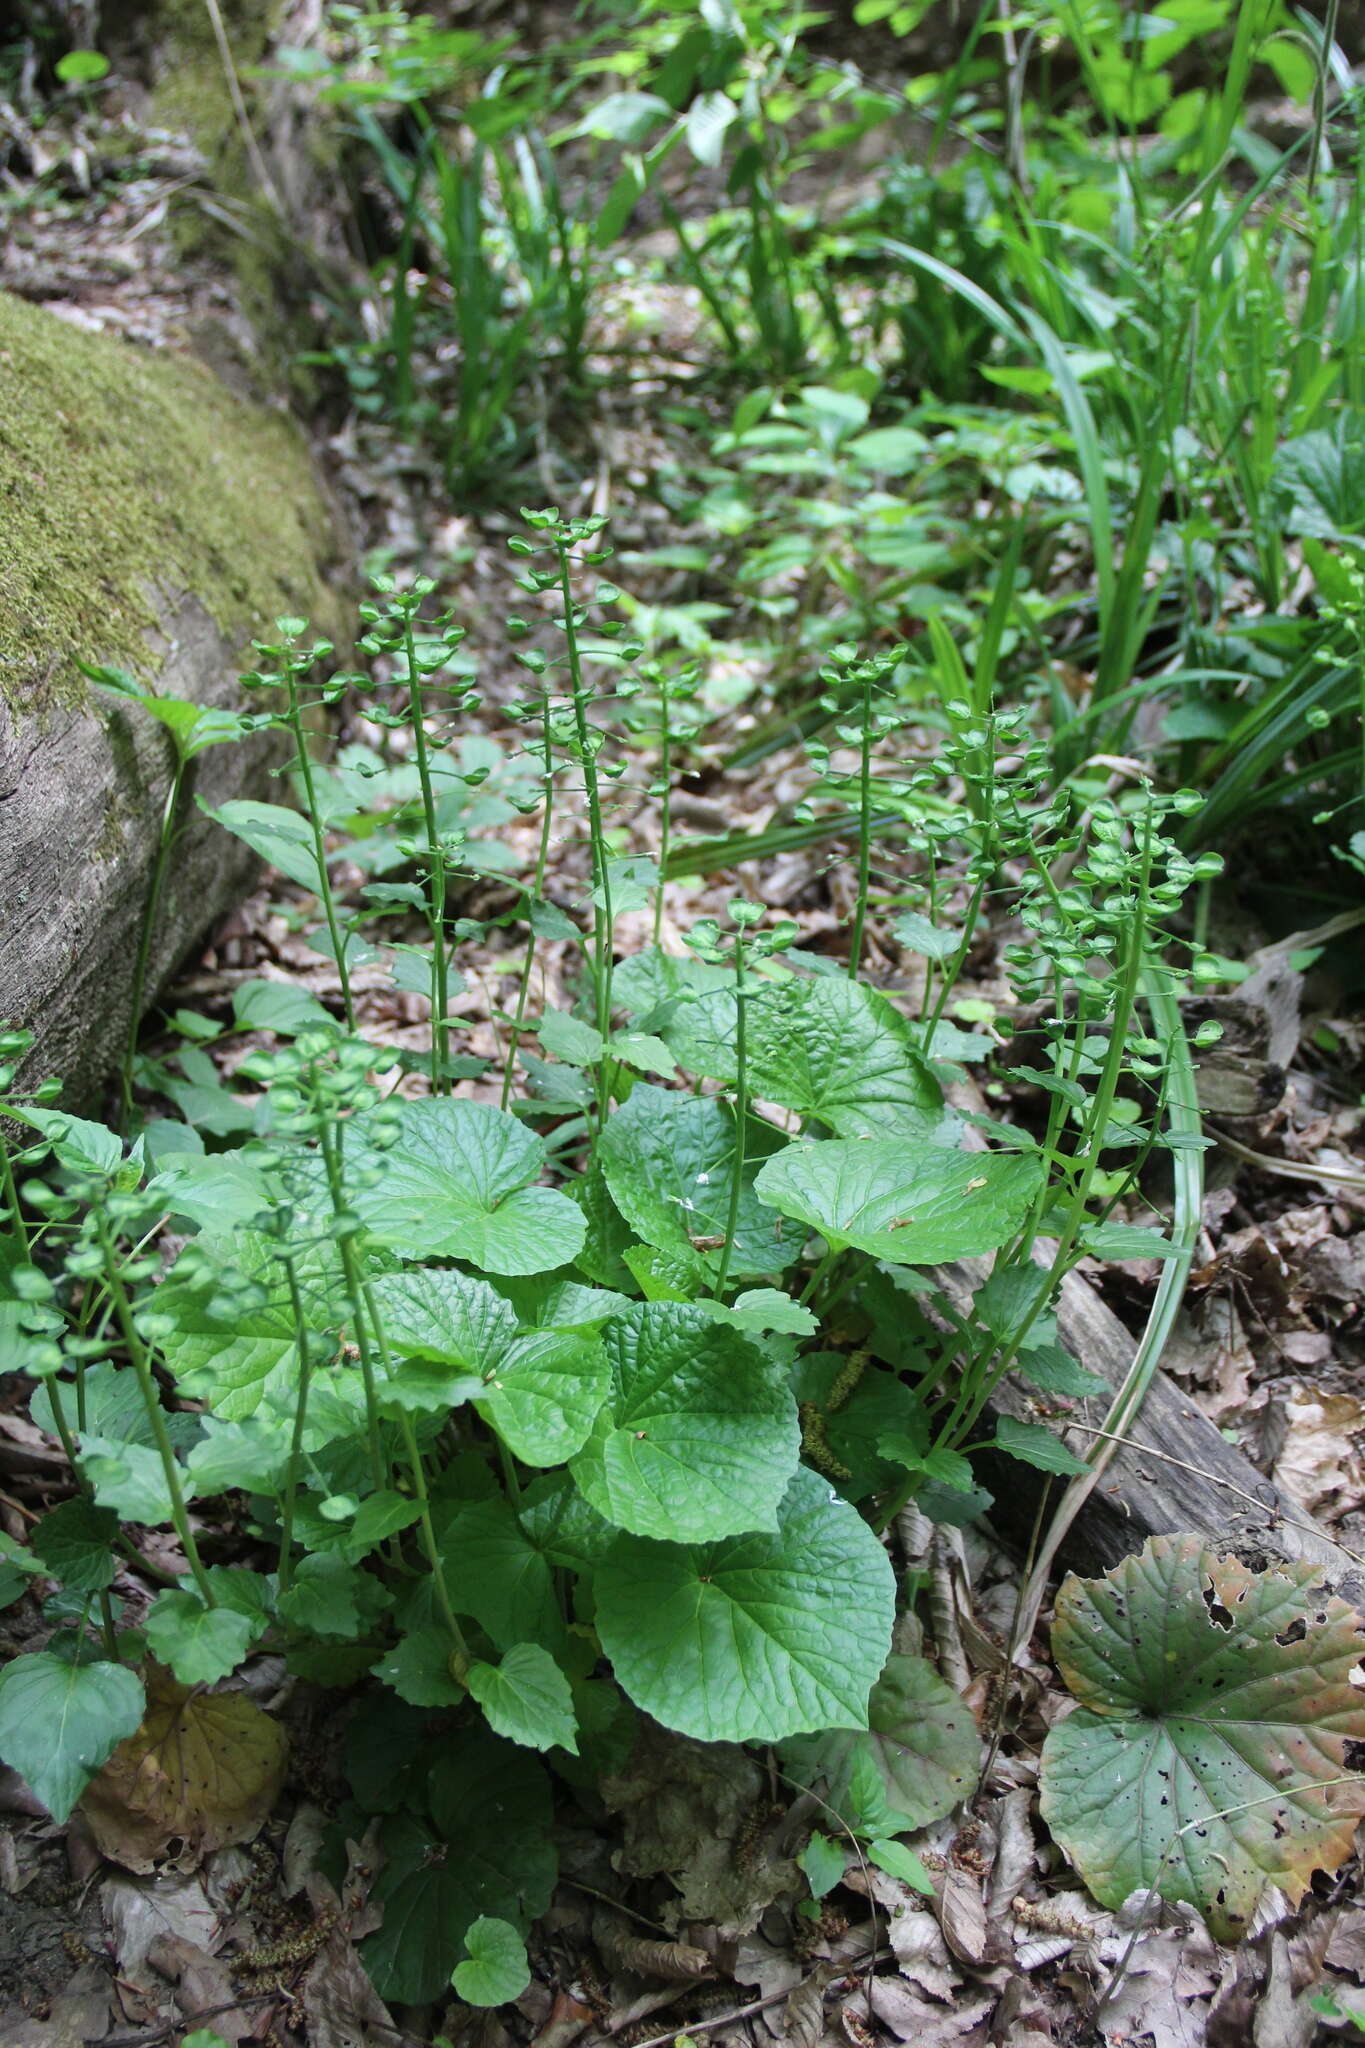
203, 1770
1206, 1757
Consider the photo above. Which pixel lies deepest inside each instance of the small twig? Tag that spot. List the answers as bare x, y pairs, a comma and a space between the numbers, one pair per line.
1290, 1169
234, 85
170, 2027
1141, 1450
727, 2019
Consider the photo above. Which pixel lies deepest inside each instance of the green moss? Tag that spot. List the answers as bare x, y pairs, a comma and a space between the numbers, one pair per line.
122, 472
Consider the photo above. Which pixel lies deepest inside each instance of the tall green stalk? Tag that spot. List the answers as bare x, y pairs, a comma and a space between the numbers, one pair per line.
602, 920
294, 719
440, 997
137, 1353
165, 841
741, 1115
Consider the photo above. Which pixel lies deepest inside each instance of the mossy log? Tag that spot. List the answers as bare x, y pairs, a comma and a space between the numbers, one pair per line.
153, 521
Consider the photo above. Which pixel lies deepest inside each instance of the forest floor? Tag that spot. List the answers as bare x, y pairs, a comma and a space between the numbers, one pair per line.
673, 1916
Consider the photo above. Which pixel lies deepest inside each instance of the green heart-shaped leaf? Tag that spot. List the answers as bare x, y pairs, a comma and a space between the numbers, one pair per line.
757, 1637
700, 1436
455, 1185
909, 1207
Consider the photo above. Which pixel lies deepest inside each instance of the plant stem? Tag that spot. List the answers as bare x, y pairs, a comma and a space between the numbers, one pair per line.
430, 1547
144, 942
542, 863
355, 1289
741, 1115
666, 801
855, 944
123, 1311
319, 840
304, 1337
440, 1081
602, 913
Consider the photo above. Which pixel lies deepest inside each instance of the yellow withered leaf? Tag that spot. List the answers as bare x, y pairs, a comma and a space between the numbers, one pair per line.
202, 1772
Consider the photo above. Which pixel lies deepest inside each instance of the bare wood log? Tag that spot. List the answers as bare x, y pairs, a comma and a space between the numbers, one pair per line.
156, 522
1178, 1474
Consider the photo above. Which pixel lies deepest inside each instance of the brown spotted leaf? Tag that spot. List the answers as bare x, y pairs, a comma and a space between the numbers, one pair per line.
1206, 1756
203, 1771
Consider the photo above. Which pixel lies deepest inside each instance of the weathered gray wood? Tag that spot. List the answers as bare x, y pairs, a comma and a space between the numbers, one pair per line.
156, 522
1211, 1491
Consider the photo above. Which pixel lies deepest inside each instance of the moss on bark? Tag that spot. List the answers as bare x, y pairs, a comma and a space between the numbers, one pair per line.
122, 472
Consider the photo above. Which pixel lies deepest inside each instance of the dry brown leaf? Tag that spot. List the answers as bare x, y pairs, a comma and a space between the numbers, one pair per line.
803, 2015
203, 1984
203, 1770
918, 1946
1318, 1465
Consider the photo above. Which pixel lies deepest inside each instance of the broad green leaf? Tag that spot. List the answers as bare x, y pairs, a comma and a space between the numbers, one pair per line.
280, 836
909, 1206
77, 1143
113, 1405
238, 1355
921, 1738
418, 1669
251, 1455
763, 1311
823, 1862
901, 1862
495, 1969
557, 1301
570, 1038
1216, 1706
60, 1721
496, 1574
130, 1479
526, 1698
280, 1006
215, 1192
563, 1525
708, 121
329, 1597
668, 1159
848, 1411
1033, 1443
699, 1438
198, 1644
489, 1853
76, 1543
454, 1185
838, 1051
758, 1637
540, 1389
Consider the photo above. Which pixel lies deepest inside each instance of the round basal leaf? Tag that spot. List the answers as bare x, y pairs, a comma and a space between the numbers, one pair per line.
237, 1355
1216, 1706
758, 1637
418, 1669
59, 1721
454, 1185
911, 1208
526, 1697
495, 1970
838, 1051
699, 1438
76, 1543
920, 1736
200, 1644
488, 1854
541, 1389
204, 1769
496, 1574
668, 1159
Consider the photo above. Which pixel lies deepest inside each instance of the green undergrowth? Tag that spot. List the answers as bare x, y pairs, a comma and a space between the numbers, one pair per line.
599, 1389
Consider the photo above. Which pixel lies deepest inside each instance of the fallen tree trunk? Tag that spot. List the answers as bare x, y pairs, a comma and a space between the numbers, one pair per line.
1176, 1472
153, 521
